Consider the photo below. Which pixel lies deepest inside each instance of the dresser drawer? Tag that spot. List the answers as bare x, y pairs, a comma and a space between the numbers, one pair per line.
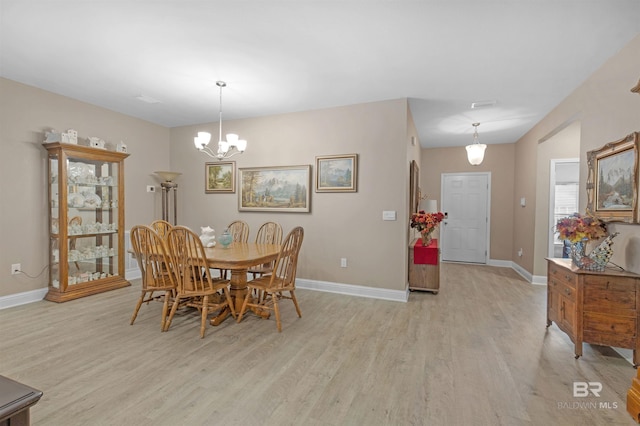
609, 330
562, 275
610, 294
561, 288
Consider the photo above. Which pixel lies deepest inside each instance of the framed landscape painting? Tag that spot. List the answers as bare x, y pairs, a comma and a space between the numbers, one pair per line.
220, 177
414, 189
612, 182
337, 173
275, 189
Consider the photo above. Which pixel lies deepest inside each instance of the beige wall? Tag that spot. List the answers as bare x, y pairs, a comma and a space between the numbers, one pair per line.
498, 160
340, 224
25, 114
564, 144
607, 111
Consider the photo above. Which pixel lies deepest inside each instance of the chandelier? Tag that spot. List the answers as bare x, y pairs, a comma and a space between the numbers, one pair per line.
475, 151
226, 149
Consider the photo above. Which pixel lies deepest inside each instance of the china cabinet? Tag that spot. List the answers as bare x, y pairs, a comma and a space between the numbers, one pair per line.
86, 221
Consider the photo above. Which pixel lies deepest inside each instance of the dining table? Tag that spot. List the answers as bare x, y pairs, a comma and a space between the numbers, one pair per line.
238, 258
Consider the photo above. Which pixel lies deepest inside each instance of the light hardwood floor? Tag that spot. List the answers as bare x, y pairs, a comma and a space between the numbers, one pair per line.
477, 353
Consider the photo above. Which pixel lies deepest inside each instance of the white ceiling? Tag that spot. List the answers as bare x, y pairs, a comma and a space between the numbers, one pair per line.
286, 56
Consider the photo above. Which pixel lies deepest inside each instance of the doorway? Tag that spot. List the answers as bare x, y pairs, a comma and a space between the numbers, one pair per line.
465, 229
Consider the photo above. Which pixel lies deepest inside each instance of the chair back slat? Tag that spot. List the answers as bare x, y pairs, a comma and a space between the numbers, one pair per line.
239, 230
152, 257
285, 268
188, 255
269, 233
162, 227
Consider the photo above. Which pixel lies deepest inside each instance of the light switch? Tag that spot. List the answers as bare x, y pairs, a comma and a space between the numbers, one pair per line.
389, 215
523, 202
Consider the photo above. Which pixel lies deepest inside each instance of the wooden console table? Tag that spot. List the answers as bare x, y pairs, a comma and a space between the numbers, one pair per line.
424, 266
15, 401
601, 308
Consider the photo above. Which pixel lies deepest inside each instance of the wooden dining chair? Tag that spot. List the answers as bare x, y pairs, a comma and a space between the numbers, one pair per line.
195, 287
239, 231
162, 227
282, 279
157, 274
268, 233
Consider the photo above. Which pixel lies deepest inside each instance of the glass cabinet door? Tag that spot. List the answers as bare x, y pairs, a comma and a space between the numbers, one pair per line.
54, 221
86, 221
92, 220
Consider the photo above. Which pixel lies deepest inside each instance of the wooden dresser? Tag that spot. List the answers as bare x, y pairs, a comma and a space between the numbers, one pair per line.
424, 266
600, 308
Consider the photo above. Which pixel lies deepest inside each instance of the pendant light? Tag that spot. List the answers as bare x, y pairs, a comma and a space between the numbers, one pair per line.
232, 146
475, 151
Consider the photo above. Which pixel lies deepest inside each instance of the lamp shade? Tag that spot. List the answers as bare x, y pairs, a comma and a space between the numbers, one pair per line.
202, 139
232, 138
430, 206
223, 147
241, 145
475, 153
168, 176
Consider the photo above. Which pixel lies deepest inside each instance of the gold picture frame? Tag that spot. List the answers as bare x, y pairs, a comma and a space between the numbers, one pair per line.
275, 189
220, 177
337, 173
414, 187
612, 181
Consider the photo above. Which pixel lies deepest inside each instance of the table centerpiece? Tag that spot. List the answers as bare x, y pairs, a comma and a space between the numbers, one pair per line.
579, 230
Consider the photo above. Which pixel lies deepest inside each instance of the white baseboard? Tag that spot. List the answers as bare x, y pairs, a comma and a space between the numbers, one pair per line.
522, 272
22, 298
625, 353
539, 280
132, 274
500, 263
353, 290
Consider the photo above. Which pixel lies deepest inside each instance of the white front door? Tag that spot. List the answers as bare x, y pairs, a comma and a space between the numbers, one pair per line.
463, 233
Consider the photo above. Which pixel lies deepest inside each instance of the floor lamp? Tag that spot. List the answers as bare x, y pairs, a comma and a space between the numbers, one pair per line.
169, 195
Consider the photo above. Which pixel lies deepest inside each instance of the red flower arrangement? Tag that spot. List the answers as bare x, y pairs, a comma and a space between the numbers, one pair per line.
577, 228
426, 223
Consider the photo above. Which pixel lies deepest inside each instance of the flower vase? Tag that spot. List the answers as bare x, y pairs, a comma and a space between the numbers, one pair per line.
578, 252
426, 239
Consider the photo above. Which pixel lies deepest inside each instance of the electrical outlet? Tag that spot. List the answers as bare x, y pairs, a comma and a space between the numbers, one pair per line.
151, 188
15, 268
343, 262
520, 253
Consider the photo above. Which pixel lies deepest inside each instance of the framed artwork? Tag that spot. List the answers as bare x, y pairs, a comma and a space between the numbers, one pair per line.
275, 189
414, 187
612, 182
337, 173
220, 177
